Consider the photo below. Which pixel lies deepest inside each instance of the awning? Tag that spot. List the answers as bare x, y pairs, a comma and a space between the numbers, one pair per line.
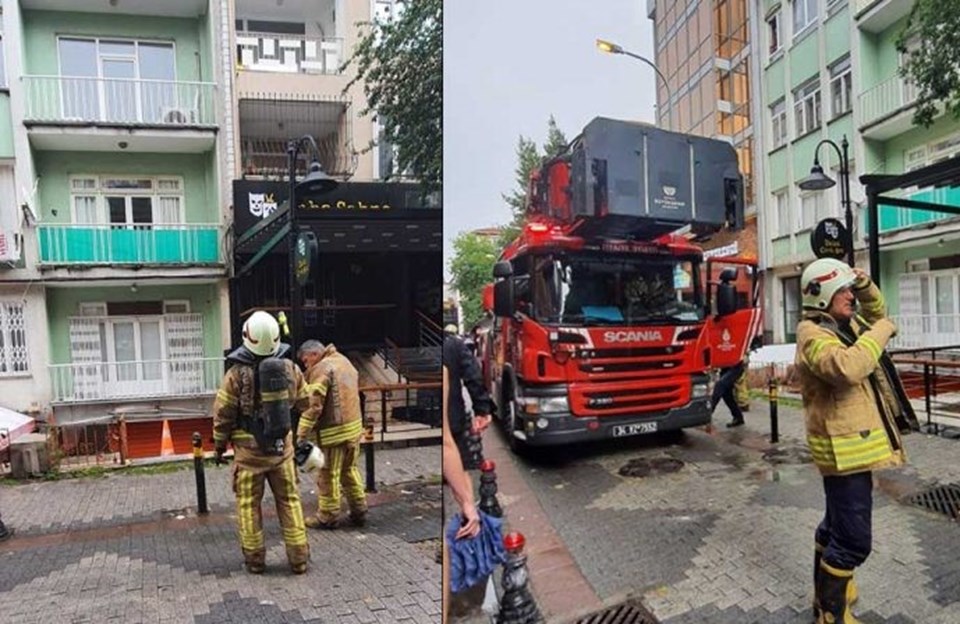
13, 425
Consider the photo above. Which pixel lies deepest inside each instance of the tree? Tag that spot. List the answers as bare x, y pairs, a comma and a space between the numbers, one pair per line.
400, 62
472, 268
930, 41
529, 158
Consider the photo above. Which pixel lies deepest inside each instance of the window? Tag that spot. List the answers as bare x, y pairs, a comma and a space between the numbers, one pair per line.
126, 201
791, 307
782, 203
810, 209
841, 87
13, 339
804, 14
773, 34
778, 123
806, 107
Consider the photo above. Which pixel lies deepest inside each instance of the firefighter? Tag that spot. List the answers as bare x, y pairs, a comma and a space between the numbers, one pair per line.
334, 410
252, 411
851, 409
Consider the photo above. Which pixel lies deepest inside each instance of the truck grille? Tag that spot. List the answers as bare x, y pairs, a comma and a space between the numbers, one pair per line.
628, 397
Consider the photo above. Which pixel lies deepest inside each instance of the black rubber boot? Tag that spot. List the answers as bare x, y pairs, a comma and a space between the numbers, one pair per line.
832, 593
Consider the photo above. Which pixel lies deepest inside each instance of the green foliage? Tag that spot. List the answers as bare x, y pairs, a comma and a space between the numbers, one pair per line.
400, 62
472, 268
529, 158
933, 64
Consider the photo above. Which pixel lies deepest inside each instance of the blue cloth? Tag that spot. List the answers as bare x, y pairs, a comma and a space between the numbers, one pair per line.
474, 559
604, 313
846, 530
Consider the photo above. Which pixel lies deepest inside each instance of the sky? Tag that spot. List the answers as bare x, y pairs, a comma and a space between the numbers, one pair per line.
510, 64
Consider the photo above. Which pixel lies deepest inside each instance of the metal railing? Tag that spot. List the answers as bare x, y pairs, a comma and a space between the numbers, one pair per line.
402, 411
140, 379
931, 378
430, 334
98, 441
289, 53
181, 243
885, 98
79, 99
925, 331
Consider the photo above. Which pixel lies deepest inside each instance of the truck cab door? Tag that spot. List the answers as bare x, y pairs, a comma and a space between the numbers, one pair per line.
735, 316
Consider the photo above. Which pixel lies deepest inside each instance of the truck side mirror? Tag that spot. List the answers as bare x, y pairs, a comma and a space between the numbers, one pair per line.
502, 269
726, 299
728, 274
503, 305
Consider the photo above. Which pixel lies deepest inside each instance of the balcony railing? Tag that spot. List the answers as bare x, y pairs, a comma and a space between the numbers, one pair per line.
289, 53
99, 381
885, 98
173, 244
76, 99
926, 330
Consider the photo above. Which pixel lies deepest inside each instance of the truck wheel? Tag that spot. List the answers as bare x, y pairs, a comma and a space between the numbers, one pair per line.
510, 425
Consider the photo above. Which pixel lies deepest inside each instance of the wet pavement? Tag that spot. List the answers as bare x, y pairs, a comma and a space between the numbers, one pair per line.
717, 525
131, 548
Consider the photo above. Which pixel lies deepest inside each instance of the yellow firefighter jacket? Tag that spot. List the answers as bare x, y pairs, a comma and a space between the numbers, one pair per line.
235, 403
333, 390
848, 404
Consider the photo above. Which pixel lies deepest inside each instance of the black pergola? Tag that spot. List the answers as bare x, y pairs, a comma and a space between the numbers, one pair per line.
937, 175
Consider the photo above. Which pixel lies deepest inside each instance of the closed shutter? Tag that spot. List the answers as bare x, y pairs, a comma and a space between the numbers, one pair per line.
86, 356
184, 335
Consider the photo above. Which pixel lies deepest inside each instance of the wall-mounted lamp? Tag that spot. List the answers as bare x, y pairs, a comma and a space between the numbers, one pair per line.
133, 287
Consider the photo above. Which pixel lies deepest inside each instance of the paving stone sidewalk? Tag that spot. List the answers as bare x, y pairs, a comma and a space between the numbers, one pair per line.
130, 548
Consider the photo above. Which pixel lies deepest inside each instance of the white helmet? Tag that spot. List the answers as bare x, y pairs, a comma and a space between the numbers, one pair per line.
822, 279
261, 334
312, 461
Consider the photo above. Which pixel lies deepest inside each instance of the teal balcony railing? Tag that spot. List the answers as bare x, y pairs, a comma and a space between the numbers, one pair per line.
168, 244
894, 218
125, 101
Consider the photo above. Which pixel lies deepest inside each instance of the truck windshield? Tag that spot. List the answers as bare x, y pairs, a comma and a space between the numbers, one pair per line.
595, 289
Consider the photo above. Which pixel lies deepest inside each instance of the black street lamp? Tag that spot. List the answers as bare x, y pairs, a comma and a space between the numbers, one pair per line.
612, 48
818, 181
315, 182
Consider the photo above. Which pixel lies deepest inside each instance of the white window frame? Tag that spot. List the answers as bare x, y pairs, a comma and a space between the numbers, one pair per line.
7, 362
80, 187
774, 33
170, 303
781, 202
778, 123
809, 210
805, 14
93, 308
841, 87
807, 107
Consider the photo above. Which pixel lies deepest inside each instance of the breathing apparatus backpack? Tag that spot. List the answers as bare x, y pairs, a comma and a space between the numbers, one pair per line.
271, 418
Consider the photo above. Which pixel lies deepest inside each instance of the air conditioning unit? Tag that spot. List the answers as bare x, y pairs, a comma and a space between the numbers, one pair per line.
177, 116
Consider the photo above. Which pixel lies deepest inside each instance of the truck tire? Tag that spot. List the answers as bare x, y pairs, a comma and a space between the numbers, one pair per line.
517, 446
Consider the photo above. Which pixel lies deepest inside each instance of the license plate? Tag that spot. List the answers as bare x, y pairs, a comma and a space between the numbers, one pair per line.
620, 431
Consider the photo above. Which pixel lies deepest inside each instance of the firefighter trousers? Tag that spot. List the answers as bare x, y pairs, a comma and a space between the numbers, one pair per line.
248, 485
846, 530
340, 477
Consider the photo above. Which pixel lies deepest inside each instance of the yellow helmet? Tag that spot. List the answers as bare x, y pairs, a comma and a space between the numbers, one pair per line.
822, 279
261, 334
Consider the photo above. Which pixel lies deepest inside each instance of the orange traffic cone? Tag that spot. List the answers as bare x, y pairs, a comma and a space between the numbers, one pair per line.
166, 442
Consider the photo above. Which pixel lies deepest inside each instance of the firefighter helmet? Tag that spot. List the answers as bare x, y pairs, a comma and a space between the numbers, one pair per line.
822, 279
309, 457
261, 334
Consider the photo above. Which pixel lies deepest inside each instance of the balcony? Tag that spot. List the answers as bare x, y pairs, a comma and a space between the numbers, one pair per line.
167, 8
876, 16
135, 380
886, 108
107, 108
291, 54
926, 330
137, 245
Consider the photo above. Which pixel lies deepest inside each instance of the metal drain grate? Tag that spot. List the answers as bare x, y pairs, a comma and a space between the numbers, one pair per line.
642, 467
943, 499
625, 613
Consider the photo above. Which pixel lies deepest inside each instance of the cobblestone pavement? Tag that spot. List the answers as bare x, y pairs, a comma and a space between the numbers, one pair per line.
130, 548
728, 537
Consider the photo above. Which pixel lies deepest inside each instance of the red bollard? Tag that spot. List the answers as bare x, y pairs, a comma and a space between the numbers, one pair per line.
517, 605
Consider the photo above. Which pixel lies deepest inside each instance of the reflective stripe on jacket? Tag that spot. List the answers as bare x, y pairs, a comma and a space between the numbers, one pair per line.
334, 394
847, 410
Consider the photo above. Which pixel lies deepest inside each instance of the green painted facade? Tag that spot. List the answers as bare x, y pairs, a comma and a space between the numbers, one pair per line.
6, 126
63, 303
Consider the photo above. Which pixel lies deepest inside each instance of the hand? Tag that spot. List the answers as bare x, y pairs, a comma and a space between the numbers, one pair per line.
863, 279
219, 450
470, 527
480, 423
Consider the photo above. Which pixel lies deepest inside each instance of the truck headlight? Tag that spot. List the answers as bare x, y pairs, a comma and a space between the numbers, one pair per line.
554, 404
700, 390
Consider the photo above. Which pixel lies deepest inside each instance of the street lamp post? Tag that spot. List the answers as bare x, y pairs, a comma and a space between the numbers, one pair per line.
818, 181
613, 48
315, 182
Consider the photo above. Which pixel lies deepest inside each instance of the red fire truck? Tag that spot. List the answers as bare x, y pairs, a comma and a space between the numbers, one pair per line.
607, 319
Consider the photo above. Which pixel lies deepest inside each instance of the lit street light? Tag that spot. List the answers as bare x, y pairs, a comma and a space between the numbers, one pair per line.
613, 48
819, 181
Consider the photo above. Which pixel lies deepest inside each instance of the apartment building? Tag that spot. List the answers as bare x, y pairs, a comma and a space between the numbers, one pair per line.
114, 287
829, 71
703, 49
